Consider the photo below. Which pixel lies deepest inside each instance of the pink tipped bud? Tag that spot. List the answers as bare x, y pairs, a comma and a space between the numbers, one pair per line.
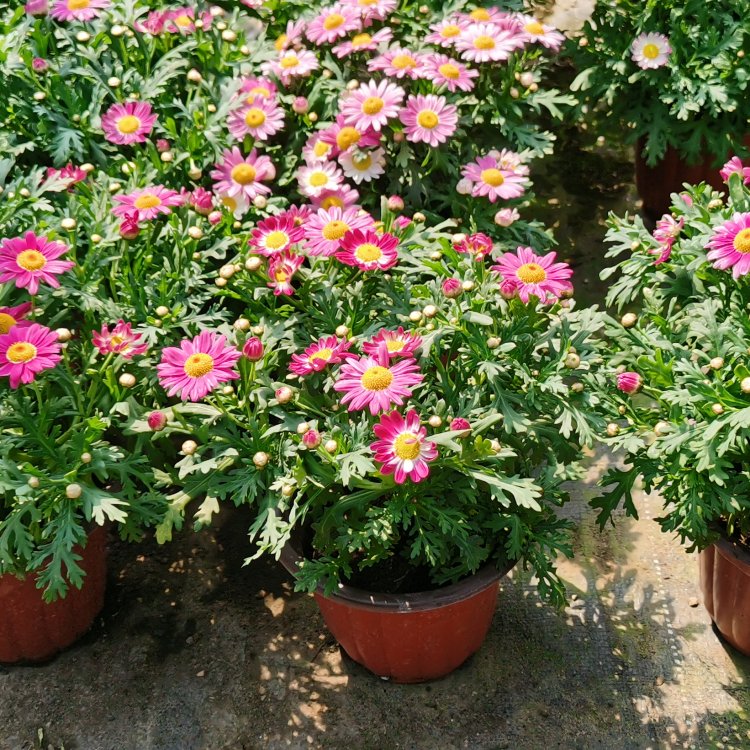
39, 64
300, 105
284, 394
37, 7
629, 382
452, 288
506, 216
459, 423
162, 145
508, 288
312, 439
202, 201
214, 218
253, 350
395, 203
129, 228
402, 222
157, 420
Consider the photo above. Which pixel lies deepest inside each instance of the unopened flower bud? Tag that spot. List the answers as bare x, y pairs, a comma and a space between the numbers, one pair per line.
194, 76
284, 394
398, 137
83, 36
167, 156
228, 35
86, 458
493, 342
716, 363
260, 201
241, 324
661, 428
342, 331
33, 482
514, 92
613, 430
459, 423
253, 263
63, 334
331, 446
526, 79
629, 320
157, 420
429, 311
452, 288
419, 216
572, 361
436, 255
395, 203
195, 233
214, 218
300, 105
162, 311
259, 330
629, 382
260, 459
313, 116
227, 271
220, 282
253, 349
577, 387
717, 408
73, 491
312, 439
96, 239
415, 316
25, 193
126, 380
745, 385
435, 421
113, 82
189, 447
195, 173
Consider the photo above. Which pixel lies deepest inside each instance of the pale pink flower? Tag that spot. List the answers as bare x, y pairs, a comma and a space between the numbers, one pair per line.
31, 260
490, 180
262, 119
668, 228
342, 137
316, 150
363, 166
325, 229
483, 42
533, 274
734, 165
291, 36
313, 179
650, 51
77, 10
446, 32
326, 351
120, 340
372, 105
362, 42
398, 343
128, 123
254, 88
546, 35
333, 23
507, 216
37, 7
403, 449
445, 71
149, 202
298, 63
373, 10
398, 63
201, 201
341, 198
429, 119
25, 351
237, 175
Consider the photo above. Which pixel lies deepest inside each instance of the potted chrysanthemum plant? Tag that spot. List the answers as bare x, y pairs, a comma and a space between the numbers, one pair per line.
678, 393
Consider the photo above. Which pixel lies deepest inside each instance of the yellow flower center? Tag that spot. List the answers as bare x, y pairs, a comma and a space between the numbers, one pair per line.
347, 136
281, 275
367, 3
449, 70
183, 20
360, 40
318, 179
116, 340
363, 163
651, 51
376, 378
243, 174
229, 202
484, 42
335, 229
741, 241
372, 105
332, 201
394, 345
254, 117
128, 124
333, 21
407, 446
531, 273
147, 200
257, 91
6, 322
289, 61
198, 365
78, 4
277, 240
31, 260
280, 42
324, 354
479, 14
492, 177
321, 148
428, 119
449, 31
401, 62
367, 252
534, 27
20, 352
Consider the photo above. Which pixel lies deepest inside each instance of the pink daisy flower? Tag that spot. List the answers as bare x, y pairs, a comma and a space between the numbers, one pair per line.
491, 180
326, 351
237, 175
128, 123
534, 274
397, 63
479, 245
257, 87
363, 166
730, 245
446, 32
735, 165
398, 343
149, 202
362, 42
372, 381
238, 205
373, 10
371, 105
27, 350
313, 179
486, 15
120, 340
547, 36
333, 23
153, 24
668, 228
14, 316
445, 71
403, 449
368, 250
325, 229
340, 198
429, 119
197, 367
77, 10
262, 119
342, 137
69, 173
31, 260
316, 150
291, 64
182, 20
650, 51
275, 235
281, 269
291, 36
483, 42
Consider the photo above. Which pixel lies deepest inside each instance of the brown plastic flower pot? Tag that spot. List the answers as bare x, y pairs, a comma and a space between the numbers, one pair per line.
32, 630
725, 583
410, 637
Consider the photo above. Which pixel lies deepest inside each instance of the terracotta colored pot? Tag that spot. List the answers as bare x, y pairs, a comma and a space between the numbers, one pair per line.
410, 637
725, 583
30, 629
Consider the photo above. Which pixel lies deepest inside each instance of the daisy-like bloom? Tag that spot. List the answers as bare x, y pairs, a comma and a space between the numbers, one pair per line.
668, 228
429, 119
291, 64
397, 63
291, 35
14, 316
182, 20
398, 343
153, 23
445, 71
371, 105
547, 36
237, 205
650, 51
363, 166
486, 15
37, 7
149, 202
326, 351
372, 381
403, 449
262, 119
373, 10
70, 174
341, 136
31, 260
534, 274
479, 245
27, 350
446, 32
275, 234
734, 165
368, 250
316, 150
491, 180
341, 198
325, 229
120, 340
729, 247
128, 123
484, 42
281, 269
256, 88
362, 42
197, 367
333, 23
299, 214
237, 175
313, 179
77, 10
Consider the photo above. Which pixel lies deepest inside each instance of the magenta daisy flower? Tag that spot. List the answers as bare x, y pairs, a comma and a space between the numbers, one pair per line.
730, 245
668, 228
196, 367
446, 32
490, 179
650, 51
262, 119
31, 260
27, 350
14, 316
484, 42
281, 269
326, 351
534, 274
362, 42
333, 23
398, 343
403, 449
371, 105
313, 179
77, 10
275, 234
372, 381
735, 165
368, 250
128, 123
398, 63
149, 202
120, 340
429, 119
547, 36
342, 197
479, 245
297, 63
237, 175
445, 71
325, 229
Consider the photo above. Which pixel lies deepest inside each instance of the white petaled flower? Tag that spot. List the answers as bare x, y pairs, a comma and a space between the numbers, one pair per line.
363, 166
650, 50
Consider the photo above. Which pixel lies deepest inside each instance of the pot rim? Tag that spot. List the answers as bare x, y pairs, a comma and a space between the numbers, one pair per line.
419, 601
732, 549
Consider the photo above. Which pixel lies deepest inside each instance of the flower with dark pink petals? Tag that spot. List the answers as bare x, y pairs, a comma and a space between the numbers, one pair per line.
629, 382
479, 245
121, 340
281, 269
326, 351
157, 420
25, 351
368, 250
452, 288
253, 349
